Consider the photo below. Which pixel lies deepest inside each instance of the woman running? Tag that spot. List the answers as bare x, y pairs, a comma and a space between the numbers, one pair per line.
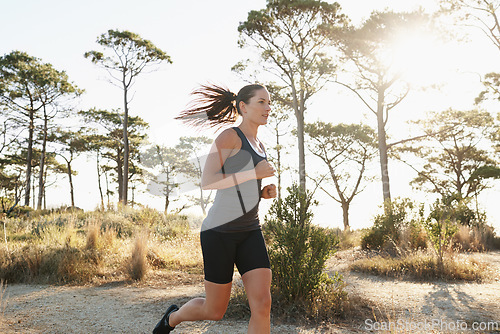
231, 234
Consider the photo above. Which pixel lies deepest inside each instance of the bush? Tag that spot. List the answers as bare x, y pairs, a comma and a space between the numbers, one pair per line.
298, 251
441, 225
397, 228
172, 226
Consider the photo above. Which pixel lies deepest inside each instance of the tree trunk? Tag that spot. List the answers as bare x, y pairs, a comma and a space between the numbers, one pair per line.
167, 202
71, 191
133, 196
107, 188
42, 160
34, 188
202, 202
119, 171
29, 157
278, 159
302, 156
345, 213
125, 145
43, 190
382, 147
99, 182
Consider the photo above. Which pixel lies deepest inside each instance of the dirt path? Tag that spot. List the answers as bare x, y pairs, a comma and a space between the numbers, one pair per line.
132, 308
438, 301
108, 309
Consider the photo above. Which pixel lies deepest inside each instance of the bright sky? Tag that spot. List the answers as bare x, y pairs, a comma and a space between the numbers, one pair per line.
201, 38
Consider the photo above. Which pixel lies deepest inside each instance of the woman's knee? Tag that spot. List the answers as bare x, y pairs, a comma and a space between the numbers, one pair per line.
216, 314
261, 304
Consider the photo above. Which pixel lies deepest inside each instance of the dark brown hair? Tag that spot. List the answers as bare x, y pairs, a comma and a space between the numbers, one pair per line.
216, 105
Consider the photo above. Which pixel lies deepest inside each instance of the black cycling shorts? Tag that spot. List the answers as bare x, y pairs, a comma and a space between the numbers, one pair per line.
222, 250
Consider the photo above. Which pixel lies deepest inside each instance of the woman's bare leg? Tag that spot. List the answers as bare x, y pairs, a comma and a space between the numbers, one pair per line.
212, 307
257, 284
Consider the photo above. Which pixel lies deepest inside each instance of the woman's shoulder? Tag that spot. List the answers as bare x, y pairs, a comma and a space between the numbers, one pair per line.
228, 138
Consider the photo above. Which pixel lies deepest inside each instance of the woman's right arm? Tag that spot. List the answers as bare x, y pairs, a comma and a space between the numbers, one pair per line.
213, 178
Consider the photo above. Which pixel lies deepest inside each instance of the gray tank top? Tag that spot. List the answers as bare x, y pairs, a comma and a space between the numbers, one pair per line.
236, 209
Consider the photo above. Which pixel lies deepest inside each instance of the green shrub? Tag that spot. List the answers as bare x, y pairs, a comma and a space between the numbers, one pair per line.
397, 227
298, 251
172, 226
441, 225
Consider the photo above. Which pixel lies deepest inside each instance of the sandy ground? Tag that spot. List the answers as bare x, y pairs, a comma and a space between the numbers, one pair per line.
121, 307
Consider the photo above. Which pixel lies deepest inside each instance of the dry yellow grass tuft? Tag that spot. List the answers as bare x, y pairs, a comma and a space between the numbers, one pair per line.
93, 235
138, 264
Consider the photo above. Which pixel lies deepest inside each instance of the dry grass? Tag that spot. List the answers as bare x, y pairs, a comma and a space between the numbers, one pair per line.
423, 266
350, 239
475, 239
93, 235
137, 267
182, 253
95, 246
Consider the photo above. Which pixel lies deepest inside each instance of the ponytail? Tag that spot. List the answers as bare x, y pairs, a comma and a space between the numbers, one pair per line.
216, 106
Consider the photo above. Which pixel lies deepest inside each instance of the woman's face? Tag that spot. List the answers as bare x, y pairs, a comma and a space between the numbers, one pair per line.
258, 108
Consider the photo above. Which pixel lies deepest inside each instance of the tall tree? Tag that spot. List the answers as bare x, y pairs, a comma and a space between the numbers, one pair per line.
454, 161
371, 49
126, 54
290, 37
108, 140
27, 86
345, 149
73, 143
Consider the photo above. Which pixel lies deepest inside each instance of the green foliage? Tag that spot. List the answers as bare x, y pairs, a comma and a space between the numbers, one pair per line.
133, 51
291, 39
442, 222
23, 77
298, 250
294, 33
491, 82
400, 217
453, 161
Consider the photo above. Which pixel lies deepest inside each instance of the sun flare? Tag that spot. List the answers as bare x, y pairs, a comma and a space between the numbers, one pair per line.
421, 59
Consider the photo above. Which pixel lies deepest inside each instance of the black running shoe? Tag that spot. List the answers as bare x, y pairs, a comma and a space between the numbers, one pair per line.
162, 327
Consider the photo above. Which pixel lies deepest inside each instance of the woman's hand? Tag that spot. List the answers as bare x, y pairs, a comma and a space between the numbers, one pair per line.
269, 191
264, 169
